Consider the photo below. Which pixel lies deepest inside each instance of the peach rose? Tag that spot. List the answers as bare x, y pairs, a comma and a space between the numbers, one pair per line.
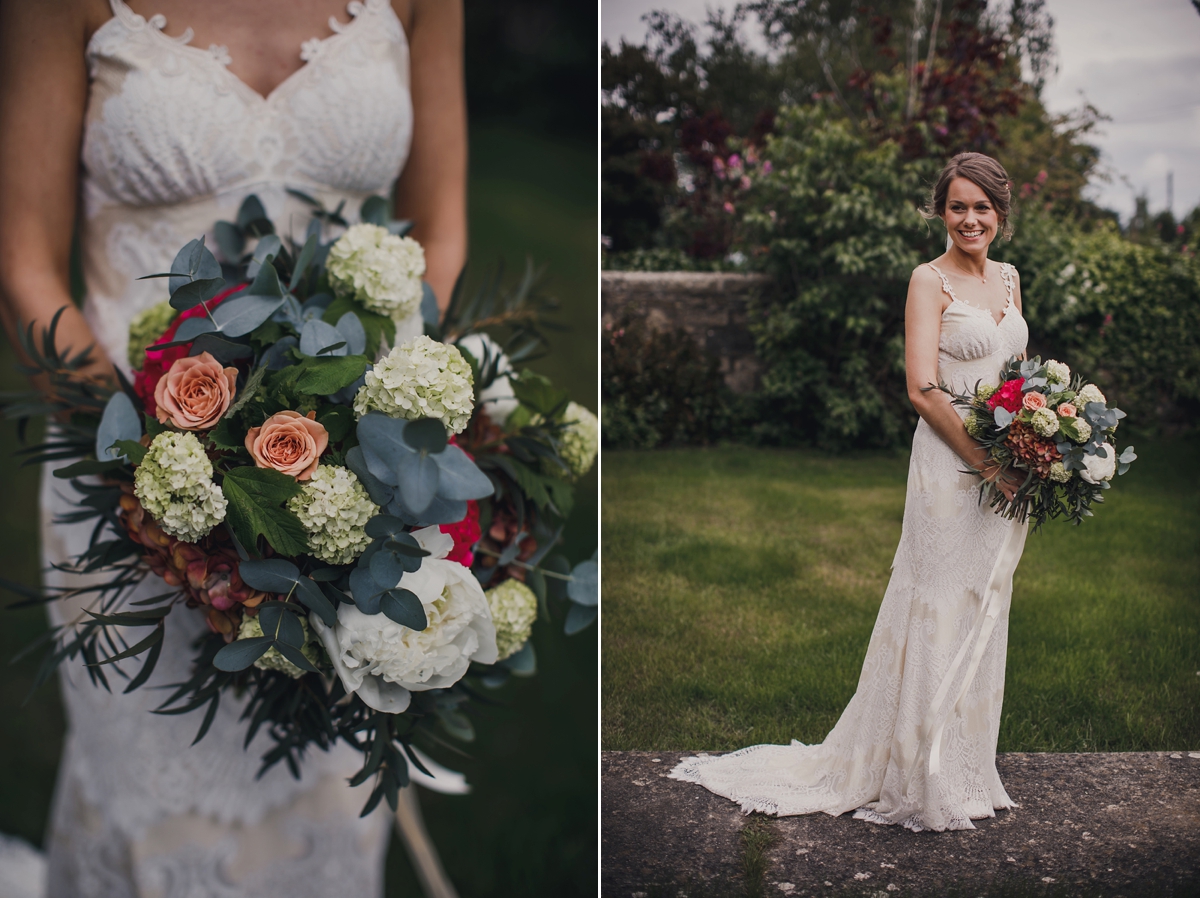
288, 442
1066, 410
1034, 400
195, 393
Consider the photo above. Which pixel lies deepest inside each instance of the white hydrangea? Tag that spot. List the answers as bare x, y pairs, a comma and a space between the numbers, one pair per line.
514, 609
1097, 468
271, 659
1083, 430
497, 399
1044, 422
334, 508
420, 379
1057, 372
1058, 472
580, 439
383, 662
174, 484
378, 269
1089, 393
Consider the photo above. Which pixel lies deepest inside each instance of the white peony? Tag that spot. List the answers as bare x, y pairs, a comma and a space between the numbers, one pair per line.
383, 661
1089, 393
420, 379
378, 269
334, 509
1097, 468
174, 484
496, 400
1057, 372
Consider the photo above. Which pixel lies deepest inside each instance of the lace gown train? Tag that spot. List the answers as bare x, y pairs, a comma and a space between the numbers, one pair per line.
917, 743
173, 142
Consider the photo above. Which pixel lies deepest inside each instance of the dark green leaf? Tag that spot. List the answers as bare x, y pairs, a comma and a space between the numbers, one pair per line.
195, 292
88, 466
403, 606
323, 376
208, 717
131, 450
337, 421
255, 510
147, 667
426, 435
311, 596
155, 636
375, 211
274, 575
241, 654
305, 259
294, 654
537, 392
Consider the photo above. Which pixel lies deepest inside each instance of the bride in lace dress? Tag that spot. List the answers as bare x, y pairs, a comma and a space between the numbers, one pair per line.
917, 743
161, 116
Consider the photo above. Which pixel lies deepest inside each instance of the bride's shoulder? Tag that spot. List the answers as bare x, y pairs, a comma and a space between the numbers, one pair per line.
924, 275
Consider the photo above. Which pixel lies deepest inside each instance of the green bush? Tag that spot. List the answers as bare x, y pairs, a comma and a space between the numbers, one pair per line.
1125, 314
833, 219
659, 388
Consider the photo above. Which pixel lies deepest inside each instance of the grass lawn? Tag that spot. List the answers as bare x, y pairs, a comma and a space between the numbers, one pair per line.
529, 827
741, 585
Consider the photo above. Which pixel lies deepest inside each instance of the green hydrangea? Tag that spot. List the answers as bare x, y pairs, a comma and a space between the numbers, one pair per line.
271, 659
984, 392
174, 484
1057, 372
974, 425
1089, 393
1058, 473
146, 327
1044, 422
580, 439
1076, 429
334, 508
420, 379
378, 269
514, 609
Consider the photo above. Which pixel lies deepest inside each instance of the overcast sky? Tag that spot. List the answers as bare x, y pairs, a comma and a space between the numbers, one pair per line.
1137, 61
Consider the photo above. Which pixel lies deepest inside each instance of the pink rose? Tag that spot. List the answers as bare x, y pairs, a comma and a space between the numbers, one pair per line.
288, 442
1034, 400
195, 393
1066, 410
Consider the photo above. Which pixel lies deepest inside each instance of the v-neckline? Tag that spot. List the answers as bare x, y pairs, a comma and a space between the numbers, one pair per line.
156, 24
948, 288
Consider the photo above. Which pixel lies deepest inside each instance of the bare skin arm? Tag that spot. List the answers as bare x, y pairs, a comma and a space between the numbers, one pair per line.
922, 327
433, 187
43, 92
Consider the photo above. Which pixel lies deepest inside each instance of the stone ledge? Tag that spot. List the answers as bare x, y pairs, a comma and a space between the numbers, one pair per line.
1088, 825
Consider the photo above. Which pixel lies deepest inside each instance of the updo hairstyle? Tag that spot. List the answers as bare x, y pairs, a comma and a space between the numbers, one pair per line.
983, 171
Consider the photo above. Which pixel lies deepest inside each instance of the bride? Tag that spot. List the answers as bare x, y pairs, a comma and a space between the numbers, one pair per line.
156, 118
917, 743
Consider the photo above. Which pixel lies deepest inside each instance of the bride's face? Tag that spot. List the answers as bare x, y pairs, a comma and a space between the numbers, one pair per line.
971, 219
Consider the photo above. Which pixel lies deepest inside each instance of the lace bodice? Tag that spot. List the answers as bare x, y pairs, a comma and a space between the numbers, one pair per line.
973, 345
173, 141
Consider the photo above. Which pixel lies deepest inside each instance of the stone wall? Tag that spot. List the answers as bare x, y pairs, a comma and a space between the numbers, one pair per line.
709, 306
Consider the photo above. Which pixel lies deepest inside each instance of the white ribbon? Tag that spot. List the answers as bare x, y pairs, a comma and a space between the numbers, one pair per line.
981, 632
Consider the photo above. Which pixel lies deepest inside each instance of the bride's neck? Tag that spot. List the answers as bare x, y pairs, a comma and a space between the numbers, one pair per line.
971, 263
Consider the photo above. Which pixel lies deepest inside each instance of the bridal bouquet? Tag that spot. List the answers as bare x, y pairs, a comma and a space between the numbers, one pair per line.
366, 523
1054, 428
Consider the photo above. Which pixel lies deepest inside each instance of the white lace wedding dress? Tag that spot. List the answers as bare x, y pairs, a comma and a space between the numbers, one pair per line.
173, 142
917, 743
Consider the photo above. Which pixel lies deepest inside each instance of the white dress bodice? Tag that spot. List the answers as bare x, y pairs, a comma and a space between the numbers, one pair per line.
173, 142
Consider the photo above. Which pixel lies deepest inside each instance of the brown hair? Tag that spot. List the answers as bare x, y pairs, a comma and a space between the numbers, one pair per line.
984, 172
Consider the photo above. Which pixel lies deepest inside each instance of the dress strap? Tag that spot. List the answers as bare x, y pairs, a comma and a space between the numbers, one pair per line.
1006, 275
945, 282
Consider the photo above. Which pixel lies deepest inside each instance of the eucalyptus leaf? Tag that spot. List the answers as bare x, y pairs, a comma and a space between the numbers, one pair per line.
351, 329
430, 314
310, 595
274, 575
403, 607
268, 248
291, 632
365, 591
579, 617
224, 351
307, 253
387, 568
382, 526
316, 334
417, 480
250, 211
240, 315
523, 663
374, 210
293, 654
426, 435
192, 293
241, 654
230, 240
380, 492
193, 262
1003, 416
584, 585
120, 421
192, 328
460, 478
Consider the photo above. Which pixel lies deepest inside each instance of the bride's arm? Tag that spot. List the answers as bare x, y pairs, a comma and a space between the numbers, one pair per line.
43, 91
922, 332
433, 187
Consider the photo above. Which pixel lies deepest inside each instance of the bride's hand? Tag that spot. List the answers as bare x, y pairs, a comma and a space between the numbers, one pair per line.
1007, 481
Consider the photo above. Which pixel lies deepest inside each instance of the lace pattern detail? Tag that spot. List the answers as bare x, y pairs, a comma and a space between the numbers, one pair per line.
951, 566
